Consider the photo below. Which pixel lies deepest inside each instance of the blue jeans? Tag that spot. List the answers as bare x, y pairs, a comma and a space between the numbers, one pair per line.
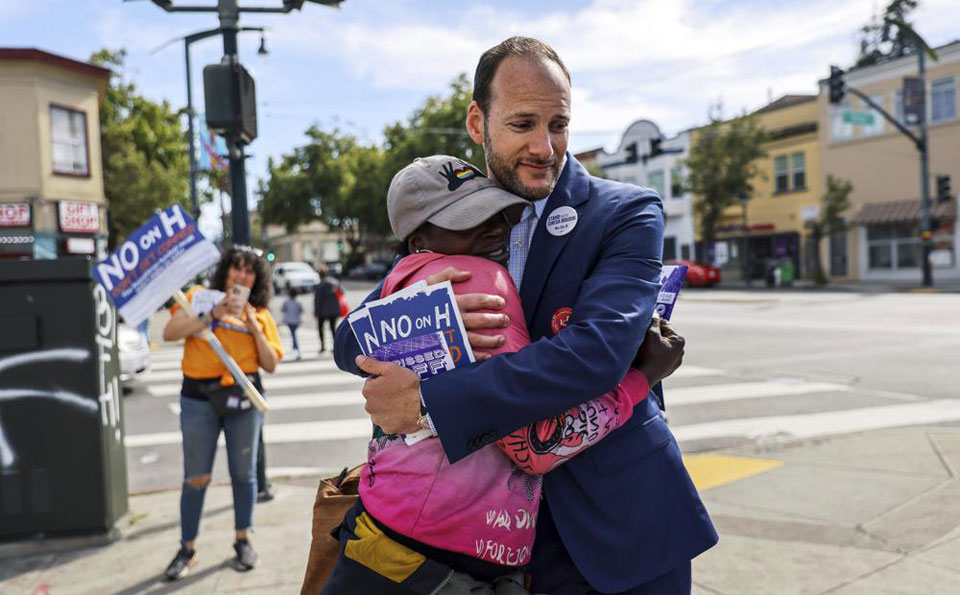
201, 427
293, 333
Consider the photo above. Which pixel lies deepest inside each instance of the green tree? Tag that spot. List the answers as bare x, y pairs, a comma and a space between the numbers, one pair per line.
873, 47
438, 127
833, 204
344, 183
145, 163
723, 161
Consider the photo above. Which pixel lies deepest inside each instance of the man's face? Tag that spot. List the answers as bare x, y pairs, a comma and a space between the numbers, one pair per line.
524, 133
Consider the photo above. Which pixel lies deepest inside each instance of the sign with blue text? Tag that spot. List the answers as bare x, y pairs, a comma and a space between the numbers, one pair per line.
154, 262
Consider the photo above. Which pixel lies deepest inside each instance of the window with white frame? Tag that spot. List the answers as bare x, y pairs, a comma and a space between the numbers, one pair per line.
893, 246
68, 133
781, 175
655, 180
840, 130
798, 171
877, 126
943, 100
676, 182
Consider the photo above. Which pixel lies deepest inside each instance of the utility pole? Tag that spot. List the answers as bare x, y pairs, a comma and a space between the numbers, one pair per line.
926, 233
838, 87
228, 13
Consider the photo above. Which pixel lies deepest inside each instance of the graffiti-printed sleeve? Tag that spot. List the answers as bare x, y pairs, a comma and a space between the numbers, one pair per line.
540, 447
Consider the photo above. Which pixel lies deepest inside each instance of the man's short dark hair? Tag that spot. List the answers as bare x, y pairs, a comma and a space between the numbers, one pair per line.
527, 47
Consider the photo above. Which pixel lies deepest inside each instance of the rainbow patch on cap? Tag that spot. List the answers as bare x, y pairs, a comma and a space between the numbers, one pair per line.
466, 173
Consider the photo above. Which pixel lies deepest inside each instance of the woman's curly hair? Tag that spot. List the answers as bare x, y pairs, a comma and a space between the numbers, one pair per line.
239, 256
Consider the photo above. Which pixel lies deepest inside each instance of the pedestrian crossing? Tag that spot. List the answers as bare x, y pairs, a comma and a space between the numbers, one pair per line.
316, 405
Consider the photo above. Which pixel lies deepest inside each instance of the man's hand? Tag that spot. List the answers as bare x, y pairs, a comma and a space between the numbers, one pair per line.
661, 352
468, 304
393, 395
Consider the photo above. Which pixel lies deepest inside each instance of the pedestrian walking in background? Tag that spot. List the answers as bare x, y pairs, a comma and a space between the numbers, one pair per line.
251, 338
326, 305
292, 315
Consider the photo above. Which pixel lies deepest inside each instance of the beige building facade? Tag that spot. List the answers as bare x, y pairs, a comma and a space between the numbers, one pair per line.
51, 176
771, 226
313, 243
883, 165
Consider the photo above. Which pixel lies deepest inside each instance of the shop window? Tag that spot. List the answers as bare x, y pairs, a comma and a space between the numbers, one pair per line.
943, 100
893, 246
69, 141
781, 174
669, 248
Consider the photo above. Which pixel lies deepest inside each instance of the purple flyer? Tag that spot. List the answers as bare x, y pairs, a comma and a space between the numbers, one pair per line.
671, 280
427, 355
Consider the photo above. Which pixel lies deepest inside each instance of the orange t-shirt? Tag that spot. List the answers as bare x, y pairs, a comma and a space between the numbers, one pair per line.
201, 361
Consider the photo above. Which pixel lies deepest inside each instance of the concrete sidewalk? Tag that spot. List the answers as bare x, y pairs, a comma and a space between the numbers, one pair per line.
872, 513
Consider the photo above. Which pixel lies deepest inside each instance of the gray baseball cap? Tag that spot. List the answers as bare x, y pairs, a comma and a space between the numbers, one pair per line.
446, 191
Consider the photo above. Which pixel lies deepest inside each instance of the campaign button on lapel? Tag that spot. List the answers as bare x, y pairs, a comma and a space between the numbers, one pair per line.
561, 221
560, 319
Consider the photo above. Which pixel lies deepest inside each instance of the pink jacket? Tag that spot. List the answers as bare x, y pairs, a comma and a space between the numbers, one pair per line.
484, 506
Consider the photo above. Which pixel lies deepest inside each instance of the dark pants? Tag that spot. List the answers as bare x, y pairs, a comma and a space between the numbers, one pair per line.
293, 335
333, 329
261, 464
555, 573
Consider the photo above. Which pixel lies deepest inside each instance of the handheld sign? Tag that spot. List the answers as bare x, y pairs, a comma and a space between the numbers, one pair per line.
154, 262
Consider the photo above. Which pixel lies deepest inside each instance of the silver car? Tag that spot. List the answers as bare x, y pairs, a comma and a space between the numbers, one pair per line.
134, 355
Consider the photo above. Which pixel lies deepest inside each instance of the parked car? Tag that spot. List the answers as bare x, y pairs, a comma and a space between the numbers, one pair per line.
334, 268
134, 355
370, 272
298, 275
699, 275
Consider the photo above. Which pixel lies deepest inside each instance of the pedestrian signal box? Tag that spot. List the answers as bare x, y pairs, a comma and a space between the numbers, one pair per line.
230, 101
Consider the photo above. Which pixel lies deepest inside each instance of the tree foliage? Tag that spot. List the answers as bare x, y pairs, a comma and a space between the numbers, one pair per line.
723, 161
343, 182
145, 162
833, 204
438, 127
873, 48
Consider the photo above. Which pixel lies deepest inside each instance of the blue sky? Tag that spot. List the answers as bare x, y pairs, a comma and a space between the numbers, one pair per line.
372, 62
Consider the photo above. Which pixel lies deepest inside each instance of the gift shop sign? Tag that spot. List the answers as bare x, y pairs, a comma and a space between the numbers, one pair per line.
14, 214
79, 217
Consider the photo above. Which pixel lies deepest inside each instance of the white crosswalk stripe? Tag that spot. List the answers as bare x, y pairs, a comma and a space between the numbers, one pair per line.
311, 390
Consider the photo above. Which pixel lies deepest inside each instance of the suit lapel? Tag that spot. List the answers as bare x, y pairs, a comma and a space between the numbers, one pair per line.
572, 189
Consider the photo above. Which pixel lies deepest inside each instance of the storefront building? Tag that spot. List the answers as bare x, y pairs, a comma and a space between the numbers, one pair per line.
52, 203
646, 158
883, 165
771, 224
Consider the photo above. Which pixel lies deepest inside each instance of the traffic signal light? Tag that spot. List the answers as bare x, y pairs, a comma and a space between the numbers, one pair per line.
836, 85
943, 188
271, 257
631, 150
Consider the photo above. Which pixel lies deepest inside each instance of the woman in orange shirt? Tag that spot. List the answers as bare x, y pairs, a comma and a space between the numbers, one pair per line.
251, 338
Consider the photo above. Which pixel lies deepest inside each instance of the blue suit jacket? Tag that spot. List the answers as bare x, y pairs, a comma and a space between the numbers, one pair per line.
626, 509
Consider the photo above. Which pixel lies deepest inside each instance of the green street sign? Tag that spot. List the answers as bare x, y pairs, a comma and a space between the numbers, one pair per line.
858, 118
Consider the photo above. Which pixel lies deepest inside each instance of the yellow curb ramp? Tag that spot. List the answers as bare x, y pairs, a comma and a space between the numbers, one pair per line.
712, 470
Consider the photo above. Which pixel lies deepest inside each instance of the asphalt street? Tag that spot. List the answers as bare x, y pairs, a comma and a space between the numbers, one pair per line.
761, 368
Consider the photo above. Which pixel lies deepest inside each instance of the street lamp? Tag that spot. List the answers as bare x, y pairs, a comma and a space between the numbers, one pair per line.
191, 145
228, 12
744, 265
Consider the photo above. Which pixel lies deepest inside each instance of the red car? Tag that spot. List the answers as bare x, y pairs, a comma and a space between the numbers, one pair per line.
699, 275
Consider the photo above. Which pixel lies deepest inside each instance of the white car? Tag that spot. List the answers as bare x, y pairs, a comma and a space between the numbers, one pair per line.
134, 355
298, 275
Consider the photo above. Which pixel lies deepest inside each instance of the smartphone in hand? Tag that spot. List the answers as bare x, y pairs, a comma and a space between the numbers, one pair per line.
236, 299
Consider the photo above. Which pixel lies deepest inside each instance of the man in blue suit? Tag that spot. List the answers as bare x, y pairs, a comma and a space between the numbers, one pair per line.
624, 516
